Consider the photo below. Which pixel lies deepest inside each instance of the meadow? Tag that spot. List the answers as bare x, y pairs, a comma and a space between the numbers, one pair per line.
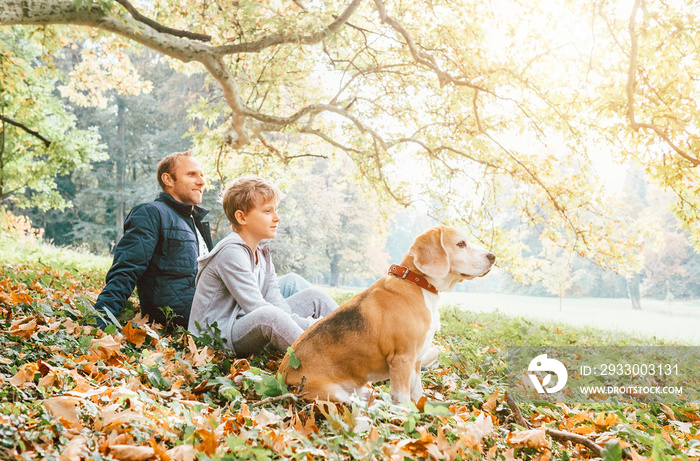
72, 392
670, 321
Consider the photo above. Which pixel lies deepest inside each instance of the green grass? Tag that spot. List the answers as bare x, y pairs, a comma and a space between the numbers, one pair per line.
669, 322
25, 250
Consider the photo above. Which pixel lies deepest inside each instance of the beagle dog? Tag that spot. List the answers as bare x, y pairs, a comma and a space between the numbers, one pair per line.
385, 331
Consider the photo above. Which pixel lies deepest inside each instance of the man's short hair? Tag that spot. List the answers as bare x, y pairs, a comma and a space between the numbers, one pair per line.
166, 166
245, 194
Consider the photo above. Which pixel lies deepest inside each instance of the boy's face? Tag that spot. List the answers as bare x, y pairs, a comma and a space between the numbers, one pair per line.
261, 221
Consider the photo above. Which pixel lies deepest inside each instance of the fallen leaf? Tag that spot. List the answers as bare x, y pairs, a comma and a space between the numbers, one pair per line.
64, 408
603, 422
636, 456
182, 453
471, 435
104, 348
683, 427
492, 403
24, 328
20, 297
583, 430
134, 335
533, 438
25, 374
74, 449
131, 452
267, 418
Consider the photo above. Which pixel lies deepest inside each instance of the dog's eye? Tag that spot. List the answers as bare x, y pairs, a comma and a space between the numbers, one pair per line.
462, 244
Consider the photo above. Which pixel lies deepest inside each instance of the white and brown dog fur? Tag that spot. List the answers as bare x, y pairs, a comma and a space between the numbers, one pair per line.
385, 331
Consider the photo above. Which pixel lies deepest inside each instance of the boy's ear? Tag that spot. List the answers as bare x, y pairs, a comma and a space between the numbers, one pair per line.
240, 217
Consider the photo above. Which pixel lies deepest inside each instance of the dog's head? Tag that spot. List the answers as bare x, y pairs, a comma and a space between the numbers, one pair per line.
446, 256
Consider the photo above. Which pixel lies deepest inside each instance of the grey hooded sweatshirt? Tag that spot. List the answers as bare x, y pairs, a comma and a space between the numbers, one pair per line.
230, 285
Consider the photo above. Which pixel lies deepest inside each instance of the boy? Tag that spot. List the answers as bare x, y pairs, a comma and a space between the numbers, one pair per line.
236, 283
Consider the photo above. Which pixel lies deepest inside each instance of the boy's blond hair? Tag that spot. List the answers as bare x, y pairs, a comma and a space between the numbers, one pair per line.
245, 194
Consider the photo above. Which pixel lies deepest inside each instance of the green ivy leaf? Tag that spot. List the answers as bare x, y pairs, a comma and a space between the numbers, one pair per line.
436, 408
293, 360
612, 451
270, 386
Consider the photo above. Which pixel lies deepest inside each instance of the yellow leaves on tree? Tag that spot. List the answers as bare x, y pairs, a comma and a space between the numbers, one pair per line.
103, 66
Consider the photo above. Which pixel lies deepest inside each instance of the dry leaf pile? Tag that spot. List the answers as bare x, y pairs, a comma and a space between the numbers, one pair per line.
71, 392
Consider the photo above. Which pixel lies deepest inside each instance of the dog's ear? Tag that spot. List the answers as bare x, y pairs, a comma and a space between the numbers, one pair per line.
430, 255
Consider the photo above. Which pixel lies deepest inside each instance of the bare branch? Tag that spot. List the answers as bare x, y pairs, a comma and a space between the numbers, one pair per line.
575, 438
557, 206
36, 134
161, 28
419, 56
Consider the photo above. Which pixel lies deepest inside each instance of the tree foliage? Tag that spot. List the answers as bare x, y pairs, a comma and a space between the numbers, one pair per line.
331, 228
39, 139
495, 107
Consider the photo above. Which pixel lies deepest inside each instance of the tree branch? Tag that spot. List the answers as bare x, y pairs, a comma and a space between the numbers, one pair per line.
557, 206
273, 40
419, 56
36, 134
161, 28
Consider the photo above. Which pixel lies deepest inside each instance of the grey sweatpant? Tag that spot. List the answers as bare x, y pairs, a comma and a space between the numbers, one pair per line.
271, 325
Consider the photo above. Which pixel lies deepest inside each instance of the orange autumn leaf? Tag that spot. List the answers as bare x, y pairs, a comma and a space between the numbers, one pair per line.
603, 422
104, 348
131, 453
492, 403
25, 374
24, 328
134, 335
208, 444
65, 409
472, 434
20, 297
583, 430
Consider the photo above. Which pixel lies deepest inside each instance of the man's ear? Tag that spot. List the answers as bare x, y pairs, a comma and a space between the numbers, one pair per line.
430, 255
167, 179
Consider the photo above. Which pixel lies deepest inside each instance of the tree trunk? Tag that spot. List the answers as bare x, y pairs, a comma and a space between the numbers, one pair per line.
335, 270
633, 291
121, 167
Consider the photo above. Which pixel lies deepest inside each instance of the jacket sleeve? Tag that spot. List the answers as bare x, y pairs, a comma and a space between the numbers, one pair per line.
131, 258
235, 272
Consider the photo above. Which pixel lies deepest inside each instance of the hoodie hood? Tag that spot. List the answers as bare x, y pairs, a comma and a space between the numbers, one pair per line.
232, 239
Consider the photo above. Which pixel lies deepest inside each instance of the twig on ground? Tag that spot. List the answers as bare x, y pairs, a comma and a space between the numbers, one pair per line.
555, 434
576, 438
277, 398
517, 415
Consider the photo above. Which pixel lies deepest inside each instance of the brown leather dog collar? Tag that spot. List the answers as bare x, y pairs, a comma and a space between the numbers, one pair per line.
405, 273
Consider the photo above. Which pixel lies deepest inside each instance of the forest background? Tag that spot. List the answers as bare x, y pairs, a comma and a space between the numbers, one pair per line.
568, 150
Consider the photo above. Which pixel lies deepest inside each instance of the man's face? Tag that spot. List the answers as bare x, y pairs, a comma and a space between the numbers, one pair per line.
186, 181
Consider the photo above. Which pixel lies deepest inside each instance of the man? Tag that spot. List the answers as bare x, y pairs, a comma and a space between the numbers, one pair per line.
158, 252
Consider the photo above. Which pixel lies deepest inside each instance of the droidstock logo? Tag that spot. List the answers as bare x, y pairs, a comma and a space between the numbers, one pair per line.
544, 364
